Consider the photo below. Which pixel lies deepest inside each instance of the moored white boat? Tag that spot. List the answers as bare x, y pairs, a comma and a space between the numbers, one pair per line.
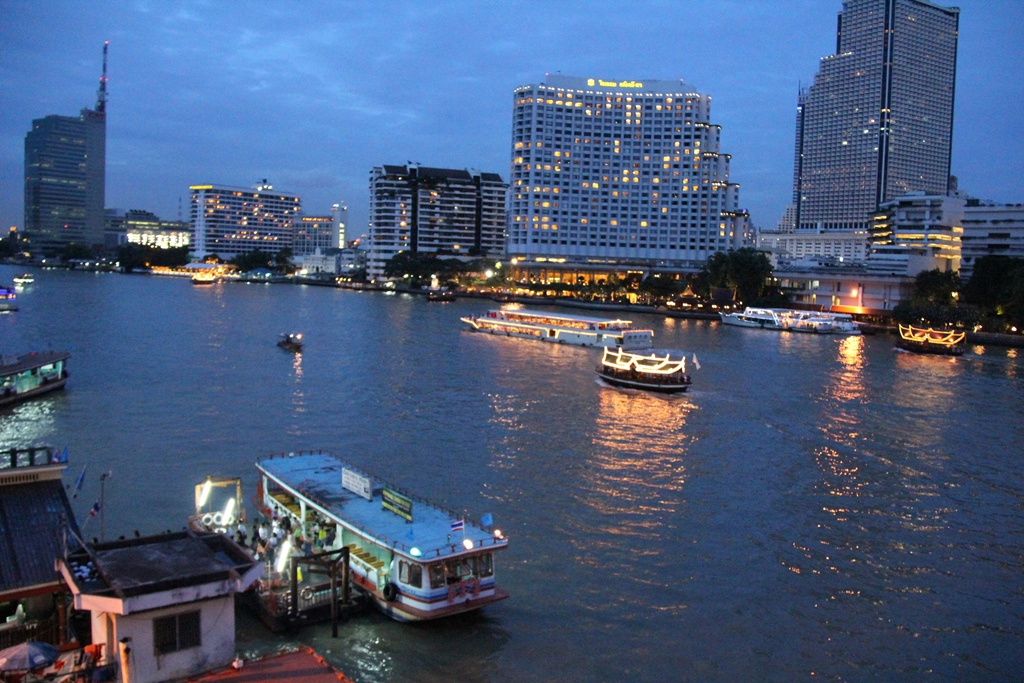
417, 561
562, 329
24, 279
764, 318
662, 371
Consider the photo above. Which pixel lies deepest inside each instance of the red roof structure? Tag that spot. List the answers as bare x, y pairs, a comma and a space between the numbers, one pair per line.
300, 666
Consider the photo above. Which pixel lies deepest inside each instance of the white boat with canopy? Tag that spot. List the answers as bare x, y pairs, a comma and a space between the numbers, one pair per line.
562, 329
663, 371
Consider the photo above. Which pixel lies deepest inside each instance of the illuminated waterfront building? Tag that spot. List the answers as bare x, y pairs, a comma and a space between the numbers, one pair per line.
227, 221
616, 175
65, 176
878, 121
448, 212
143, 227
917, 232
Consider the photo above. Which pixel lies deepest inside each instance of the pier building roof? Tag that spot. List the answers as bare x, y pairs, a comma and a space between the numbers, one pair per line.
157, 571
34, 514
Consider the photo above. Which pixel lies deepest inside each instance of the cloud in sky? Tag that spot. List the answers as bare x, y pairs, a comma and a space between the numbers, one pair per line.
312, 95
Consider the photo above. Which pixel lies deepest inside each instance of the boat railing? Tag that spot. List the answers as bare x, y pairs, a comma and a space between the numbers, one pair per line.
33, 456
373, 534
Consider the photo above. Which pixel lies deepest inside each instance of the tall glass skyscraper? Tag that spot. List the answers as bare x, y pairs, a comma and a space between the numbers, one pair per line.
610, 175
878, 120
65, 176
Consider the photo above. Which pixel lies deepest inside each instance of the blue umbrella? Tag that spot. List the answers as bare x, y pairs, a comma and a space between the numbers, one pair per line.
28, 656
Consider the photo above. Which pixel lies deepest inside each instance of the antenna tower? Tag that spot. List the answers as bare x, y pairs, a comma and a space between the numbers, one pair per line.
101, 94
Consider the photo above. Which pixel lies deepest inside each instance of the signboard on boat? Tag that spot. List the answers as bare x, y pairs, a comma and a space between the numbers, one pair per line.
397, 503
356, 483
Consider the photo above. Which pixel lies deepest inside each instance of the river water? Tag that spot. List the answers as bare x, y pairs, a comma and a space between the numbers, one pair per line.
815, 508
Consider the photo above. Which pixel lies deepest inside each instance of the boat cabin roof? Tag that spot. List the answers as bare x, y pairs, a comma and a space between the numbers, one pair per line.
565, 316
12, 366
317, 477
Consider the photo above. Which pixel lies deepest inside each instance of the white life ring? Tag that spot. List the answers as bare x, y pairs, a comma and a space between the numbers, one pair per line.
207, 519
218, 518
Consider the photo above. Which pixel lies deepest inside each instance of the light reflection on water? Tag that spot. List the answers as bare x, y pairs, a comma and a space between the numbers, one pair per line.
816, 504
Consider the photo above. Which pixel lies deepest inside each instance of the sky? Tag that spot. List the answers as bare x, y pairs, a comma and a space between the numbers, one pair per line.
312, 95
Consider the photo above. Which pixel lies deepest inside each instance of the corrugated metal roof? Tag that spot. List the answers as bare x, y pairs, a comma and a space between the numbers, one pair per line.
31, 537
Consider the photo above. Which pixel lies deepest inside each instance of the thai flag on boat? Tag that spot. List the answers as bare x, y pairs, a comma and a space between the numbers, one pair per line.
95, 509
80, 481
458, 525
696, 363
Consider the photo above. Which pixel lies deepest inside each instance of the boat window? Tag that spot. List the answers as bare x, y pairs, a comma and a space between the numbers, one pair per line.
410, 574
437, 575
483, 565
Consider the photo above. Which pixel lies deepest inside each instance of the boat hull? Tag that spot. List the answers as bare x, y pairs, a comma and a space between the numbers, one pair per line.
931, 349
53, 385
661, 388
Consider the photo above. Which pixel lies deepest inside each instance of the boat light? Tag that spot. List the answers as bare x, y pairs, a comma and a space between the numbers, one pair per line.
205, 492
415, 552
228, 510
467, 544
497, 533
284, 553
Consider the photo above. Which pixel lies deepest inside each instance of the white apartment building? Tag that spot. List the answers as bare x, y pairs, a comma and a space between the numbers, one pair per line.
616, 175
449, 212
990, 229
228, 221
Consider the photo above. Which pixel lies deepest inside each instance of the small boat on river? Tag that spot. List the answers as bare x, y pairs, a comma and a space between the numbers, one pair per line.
662, 371
24, 279
202, 278
27, 376
562, 329
291, 342
441, 295
416, 560
8, 299
927, 340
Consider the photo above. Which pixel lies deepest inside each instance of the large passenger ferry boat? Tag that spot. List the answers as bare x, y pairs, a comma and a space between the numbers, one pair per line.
651, 370
22, 377
416, 560
563, 329
942, 342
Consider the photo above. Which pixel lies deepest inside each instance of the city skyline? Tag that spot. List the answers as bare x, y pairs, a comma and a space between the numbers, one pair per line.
312, 102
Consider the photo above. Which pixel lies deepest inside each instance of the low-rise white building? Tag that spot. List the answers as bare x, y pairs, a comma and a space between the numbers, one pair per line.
847, 289
164, 605
990, 229
921, 230
851, 246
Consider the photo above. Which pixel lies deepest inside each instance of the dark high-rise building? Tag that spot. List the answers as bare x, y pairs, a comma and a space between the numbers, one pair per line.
65, 174
878, 120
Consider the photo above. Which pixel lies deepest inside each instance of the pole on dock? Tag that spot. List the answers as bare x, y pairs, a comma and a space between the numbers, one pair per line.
103, 506
334, 600
294, 571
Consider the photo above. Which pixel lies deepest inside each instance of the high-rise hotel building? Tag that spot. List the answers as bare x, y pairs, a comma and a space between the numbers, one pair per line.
444, 211
609, 176
65, 176
228, 221
878, 120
